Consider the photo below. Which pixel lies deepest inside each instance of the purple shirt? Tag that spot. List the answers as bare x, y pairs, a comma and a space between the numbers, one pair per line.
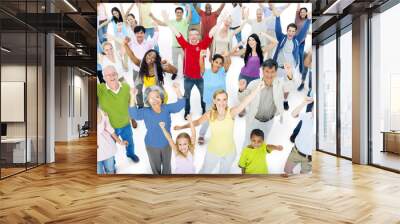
252, 68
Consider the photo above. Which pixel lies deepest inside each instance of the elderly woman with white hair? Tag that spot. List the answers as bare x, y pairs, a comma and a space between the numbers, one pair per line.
157, 146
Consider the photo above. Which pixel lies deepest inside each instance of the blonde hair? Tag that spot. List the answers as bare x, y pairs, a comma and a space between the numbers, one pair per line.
191, 145
214, 112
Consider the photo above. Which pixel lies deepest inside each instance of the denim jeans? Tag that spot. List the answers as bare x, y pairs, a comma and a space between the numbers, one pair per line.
106, 166
126, 134
101, 34
150, 32
188, 86
301, 56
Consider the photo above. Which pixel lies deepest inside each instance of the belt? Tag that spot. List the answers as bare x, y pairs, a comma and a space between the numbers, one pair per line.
309, 157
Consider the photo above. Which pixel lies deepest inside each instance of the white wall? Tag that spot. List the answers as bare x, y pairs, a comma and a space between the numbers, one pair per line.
67, 114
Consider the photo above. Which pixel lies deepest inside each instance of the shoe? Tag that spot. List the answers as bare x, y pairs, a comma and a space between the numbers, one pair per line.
241, 114
286, 105
134, 123
185, 116
173, 77
201, 140
301, 87
134, 158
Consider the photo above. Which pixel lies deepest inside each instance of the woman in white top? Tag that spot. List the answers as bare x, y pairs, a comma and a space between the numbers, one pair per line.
222, 41
111, 58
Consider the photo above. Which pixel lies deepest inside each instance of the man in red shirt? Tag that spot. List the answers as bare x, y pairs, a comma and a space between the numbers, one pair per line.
191, 61
208, 17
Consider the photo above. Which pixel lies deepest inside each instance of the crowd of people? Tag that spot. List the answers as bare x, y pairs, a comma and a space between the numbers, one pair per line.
132, 86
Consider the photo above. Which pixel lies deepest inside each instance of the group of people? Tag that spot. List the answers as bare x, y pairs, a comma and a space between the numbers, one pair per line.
132, 75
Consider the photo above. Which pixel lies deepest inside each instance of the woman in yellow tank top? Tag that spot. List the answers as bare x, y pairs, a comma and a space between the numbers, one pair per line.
221, 147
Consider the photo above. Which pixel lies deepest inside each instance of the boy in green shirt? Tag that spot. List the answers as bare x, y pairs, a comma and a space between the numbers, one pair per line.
254, 157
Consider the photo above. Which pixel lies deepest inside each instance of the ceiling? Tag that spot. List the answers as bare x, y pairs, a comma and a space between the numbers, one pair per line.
18, 17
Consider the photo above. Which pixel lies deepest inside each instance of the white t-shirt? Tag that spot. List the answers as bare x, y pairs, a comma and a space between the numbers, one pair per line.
305, 140
236, 16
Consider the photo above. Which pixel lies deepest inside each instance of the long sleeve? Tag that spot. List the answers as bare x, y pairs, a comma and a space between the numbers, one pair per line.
181, 41
205, 42
135, 113
278, 29
303, 33
177, 106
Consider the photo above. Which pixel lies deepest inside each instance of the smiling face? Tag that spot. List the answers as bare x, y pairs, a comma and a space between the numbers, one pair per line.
194, 37
131, 21
110, 76
139, 36
108, 49
183, 144
221, 101
269, 75
303, 13
208, 9
252, 43
179, 14
291, 31
154, 99
256, 141
115, 14
217, 64
259, 14
150, 58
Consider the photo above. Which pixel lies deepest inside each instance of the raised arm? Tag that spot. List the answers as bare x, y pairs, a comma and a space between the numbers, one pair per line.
189, 11
198, 9
303, 32
297, 110
227, 60
203, 54
157, 21
205, 117
219, 10
214, 29
167, 136
129, 9
130, 53
274, 147
272, 42
168, 67
192, 129
243, 104
278, 28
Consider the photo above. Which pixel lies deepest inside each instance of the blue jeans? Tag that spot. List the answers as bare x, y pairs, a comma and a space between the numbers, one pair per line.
188, 86
126, 134
247, 78
101, 32
301, 56
106, 166
150, 32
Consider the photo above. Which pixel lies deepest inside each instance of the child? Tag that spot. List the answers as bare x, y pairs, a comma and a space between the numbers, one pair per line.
253, 159
184, 148
106, 147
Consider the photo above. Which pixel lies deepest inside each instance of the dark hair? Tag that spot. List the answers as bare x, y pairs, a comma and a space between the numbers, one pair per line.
257, 132
131, 14
144, 67
178, 8
305, 9
216, 56
115, 19
270, 63
138, 29
291, 25
249, 50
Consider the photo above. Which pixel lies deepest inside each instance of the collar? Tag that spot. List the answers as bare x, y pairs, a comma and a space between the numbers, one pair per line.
116, 91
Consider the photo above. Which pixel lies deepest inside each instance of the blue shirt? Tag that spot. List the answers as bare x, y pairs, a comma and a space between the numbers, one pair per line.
154, 136
195, 16
213, 82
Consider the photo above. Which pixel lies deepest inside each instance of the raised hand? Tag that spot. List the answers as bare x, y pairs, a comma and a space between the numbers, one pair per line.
242, 84
203, 53
189, 118
279, 147
127, 40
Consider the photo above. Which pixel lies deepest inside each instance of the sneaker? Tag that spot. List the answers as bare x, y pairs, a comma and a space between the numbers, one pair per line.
286, 105
134, 158
301, 87
173, 77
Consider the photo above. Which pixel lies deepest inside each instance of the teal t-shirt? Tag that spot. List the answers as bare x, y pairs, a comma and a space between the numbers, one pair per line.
213, 82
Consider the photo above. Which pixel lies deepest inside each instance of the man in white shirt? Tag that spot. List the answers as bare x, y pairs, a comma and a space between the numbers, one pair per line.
303, 139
